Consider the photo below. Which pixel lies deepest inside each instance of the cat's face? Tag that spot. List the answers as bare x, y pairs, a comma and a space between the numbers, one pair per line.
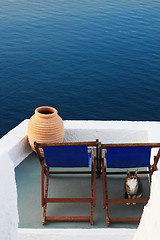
132, 176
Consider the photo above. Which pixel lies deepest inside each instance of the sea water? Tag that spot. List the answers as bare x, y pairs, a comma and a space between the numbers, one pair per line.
90, 59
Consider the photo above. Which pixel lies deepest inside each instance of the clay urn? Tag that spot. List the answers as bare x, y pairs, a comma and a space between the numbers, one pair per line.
45, 126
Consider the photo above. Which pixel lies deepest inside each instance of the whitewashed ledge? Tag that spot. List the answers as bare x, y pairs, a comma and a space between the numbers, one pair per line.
15, 142
14, 146
77, 234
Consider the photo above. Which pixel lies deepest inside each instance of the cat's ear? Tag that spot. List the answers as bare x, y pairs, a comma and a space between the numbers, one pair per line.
128, 173
136, 172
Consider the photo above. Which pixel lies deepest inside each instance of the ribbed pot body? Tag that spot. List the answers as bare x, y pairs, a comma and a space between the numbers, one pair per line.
45, 126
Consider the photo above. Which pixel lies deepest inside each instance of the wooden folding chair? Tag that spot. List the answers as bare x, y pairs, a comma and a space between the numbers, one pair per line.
67, 155
134, 155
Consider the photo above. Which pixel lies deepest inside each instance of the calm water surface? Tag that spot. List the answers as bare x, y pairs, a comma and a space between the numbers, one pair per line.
90, 59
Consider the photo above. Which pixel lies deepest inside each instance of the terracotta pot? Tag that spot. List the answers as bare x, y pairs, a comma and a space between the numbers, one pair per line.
45, 126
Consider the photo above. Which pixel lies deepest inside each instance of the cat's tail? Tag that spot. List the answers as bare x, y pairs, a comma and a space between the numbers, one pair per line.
139, 195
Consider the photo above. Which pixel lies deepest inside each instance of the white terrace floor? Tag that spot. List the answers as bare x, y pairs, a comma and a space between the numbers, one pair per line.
28, 178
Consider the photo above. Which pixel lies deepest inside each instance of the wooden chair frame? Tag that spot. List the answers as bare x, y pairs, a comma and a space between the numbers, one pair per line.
45, 172
106, 200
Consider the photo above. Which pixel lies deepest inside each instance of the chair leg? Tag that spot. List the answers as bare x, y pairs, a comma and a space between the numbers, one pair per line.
91, 217
150, 174
93, 187
46, 193
104, 183
98, 170
44, 214
107, 206
94, 182
42, 184
107, 216
105, 193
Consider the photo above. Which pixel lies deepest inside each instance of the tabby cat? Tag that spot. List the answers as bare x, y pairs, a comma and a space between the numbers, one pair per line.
133, 186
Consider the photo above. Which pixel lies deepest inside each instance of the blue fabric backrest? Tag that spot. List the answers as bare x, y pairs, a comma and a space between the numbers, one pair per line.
67, 156
128, 157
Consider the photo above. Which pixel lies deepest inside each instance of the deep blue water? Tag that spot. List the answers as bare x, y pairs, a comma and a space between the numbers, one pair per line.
90, 59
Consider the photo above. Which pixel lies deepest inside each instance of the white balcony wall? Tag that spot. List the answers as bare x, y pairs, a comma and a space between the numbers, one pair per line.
14, 148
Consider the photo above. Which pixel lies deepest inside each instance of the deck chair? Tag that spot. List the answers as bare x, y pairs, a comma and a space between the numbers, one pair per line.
67, 155
125, 156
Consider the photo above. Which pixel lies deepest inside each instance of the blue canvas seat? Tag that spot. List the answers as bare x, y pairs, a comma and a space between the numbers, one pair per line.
125, 156
128, 157
67, 155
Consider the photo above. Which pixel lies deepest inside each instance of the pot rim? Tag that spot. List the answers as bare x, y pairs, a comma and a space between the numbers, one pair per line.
45, 111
